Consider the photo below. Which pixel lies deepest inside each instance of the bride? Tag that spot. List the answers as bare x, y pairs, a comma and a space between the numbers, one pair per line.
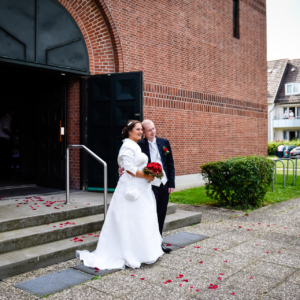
130, 234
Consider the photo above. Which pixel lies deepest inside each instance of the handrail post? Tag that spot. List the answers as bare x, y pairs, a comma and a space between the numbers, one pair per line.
67, 177
68, 174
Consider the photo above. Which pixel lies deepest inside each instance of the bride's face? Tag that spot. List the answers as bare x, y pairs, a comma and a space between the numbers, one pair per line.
136, 133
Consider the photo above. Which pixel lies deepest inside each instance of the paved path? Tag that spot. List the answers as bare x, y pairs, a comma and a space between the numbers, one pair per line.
247, 257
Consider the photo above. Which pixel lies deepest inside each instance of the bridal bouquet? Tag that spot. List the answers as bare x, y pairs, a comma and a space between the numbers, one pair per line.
154, 169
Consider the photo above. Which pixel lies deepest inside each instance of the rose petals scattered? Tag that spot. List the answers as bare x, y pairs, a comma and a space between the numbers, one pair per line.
185, 280
248, 229
222, 274
168, 244
142, 278
215, 248
183, 247
179, 276
268, 225
213, 287
197, 290
190, 260
259, 223
240, 226
225, 261
233, 293
267, 251
279, 251
197, 247
256, 244
132, 275
169, 280
201, 262
284, 227
164, 283
54, 226
251, 277
191, 287
180, 284
219, 278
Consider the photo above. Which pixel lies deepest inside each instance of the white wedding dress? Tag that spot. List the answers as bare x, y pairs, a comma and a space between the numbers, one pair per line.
130, 234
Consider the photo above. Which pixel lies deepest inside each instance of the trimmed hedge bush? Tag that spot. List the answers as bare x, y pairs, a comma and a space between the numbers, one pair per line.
273, 145
239, 181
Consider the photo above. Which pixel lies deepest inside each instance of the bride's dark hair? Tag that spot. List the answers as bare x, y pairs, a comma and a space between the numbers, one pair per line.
130, 125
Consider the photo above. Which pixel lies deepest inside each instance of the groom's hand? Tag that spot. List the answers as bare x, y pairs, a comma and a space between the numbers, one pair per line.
171, 190
121, 171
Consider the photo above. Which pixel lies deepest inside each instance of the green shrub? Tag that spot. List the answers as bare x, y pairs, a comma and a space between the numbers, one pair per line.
273, 145
238, 182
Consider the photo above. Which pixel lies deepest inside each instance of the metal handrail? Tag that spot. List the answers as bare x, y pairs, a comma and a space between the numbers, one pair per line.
68, 175
287, 173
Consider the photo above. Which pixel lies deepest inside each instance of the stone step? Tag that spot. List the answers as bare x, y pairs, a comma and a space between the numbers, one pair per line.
14, 215
46, 233
42, 234
181, 218
32, 258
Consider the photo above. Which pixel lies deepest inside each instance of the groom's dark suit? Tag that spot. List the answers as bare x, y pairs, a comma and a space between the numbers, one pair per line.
161, 193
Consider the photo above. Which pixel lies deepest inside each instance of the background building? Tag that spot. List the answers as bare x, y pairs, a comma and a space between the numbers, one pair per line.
284, 99
78, 70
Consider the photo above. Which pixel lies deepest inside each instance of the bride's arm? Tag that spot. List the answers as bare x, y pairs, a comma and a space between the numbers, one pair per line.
128, 163
141, 174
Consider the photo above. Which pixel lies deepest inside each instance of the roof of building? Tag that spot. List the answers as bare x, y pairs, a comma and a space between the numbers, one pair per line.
276, 71
292, 75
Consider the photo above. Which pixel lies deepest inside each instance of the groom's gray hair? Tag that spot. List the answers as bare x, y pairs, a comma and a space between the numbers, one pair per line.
146, 122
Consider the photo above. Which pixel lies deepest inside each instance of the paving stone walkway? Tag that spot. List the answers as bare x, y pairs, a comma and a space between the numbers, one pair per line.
254, 256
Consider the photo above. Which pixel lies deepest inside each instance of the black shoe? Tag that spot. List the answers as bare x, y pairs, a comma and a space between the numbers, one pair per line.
165, 249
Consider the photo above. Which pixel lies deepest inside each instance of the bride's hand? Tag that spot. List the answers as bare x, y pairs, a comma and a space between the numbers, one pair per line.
149, 177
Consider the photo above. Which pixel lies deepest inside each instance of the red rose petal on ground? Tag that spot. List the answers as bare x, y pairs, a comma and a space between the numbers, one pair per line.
190, 260
267, 251
169, 280
259, 223
197, 290
268, 225
142, 278
251, 277
284, 227
240, 226
256, 244
197, 247
185, 280
61, 226
165, 283
132, 275
180, 284
168, 244
248, 229
225, 261
219, 278
222, 274
279, 251
233, 293
54, 226
191, 287
201, 262
183, 247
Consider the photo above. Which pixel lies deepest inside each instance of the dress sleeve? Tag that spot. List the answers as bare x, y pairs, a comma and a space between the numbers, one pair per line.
127, 159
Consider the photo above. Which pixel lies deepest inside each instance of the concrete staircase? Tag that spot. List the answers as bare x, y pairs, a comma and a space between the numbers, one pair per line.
39, 231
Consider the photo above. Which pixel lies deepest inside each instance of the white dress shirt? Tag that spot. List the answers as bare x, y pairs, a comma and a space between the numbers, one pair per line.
155, 157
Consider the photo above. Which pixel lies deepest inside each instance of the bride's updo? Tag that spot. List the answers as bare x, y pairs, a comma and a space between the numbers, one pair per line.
130, 125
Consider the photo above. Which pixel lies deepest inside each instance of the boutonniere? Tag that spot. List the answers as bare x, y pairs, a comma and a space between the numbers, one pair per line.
166, 151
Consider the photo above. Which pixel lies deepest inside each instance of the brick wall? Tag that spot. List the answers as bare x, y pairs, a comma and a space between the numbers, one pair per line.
73, 130
205, 90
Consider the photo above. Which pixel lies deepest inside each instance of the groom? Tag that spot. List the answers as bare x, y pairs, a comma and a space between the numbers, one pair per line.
159, 150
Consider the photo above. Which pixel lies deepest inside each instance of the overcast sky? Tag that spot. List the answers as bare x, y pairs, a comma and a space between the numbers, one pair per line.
283, 29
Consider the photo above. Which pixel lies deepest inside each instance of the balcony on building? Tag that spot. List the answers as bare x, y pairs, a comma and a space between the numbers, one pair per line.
286, 123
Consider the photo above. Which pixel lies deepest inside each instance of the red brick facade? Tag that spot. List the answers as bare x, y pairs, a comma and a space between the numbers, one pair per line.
204, 89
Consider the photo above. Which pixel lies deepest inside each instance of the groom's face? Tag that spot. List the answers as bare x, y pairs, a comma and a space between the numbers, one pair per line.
149, 131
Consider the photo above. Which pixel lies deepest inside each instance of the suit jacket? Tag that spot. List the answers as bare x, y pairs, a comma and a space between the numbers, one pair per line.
167, 159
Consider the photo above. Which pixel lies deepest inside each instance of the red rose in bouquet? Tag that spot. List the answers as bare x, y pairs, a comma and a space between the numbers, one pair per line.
154, 169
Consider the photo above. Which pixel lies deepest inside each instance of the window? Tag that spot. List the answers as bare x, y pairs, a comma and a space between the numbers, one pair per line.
285, 135
236, 29
292, 88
